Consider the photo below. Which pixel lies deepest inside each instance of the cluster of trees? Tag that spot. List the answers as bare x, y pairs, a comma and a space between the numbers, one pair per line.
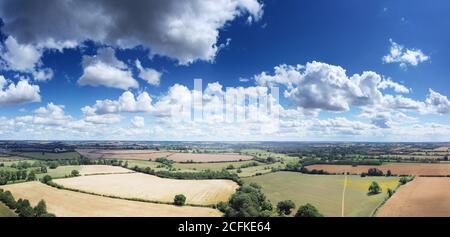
373, 172
165, 162
12, 176
23, 207
248, 201
205, 174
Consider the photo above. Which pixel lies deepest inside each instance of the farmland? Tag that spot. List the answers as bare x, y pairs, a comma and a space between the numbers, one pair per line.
65, 203
152, 188
396, 168
424, 196
203, 158
5, 211
324, 191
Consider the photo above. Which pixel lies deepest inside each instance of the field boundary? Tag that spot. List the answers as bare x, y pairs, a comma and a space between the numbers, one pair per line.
374, 212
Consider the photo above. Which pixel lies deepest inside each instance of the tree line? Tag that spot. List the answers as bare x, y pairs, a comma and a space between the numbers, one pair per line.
23, 207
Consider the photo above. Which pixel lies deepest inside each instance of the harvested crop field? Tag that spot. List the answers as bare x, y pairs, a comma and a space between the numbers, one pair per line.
65, 203
203, 158
396, 168
152, 188
423, 197
103, 169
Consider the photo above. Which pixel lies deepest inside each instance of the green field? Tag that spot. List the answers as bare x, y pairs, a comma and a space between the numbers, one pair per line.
59, 172
260, 169
50, 155
6, 212
262, 154
324, 191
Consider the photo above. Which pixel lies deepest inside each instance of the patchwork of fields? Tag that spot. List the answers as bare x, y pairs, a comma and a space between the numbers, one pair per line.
149, 187
413, 169
325, 191
65, 203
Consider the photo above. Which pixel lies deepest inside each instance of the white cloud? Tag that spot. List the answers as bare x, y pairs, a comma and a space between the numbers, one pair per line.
322, 86
437, 103
183, 30
151, 76
20, 93
20, 57
103, 119
388, 83
399, 54
125, 103
104, 69
138, 122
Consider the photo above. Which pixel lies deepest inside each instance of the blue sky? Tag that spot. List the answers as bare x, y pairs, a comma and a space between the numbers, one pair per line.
74, 67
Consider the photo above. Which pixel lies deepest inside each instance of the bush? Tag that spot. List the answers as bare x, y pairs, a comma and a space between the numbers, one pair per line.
75, 173
308, 210
390, 192
179, 200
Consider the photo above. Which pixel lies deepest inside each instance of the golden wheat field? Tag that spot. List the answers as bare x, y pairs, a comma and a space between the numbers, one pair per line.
102, 169
149, 187
65, 203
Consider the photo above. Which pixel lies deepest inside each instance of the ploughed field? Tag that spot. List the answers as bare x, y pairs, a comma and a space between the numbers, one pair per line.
152, 188
422, 197
413, 169
152, 155
64, 203
325, 191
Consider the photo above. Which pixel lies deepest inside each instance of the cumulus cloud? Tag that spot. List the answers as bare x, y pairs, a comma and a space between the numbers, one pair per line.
437, 103
20, 93
24, 58
151, 76
183, 30
388, 83
138, 122
125, 103
104, 69
323, 86
399, 54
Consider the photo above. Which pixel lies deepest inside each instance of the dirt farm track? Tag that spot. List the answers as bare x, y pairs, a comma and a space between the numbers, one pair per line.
423, 197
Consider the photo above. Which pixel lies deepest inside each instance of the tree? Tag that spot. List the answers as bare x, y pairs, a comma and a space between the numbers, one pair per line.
31, 176
388, 173
46, 179
390, 192
53, 165
43, 169
308, 210
285, 207
75, 173
374, 188
40, 209
179, 200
